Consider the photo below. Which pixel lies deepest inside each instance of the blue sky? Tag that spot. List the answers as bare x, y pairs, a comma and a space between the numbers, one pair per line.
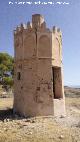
67, 17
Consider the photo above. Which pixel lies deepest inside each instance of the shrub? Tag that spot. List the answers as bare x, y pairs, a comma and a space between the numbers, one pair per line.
8, 81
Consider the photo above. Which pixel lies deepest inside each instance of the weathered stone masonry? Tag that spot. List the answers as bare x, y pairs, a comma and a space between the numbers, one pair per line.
38, 78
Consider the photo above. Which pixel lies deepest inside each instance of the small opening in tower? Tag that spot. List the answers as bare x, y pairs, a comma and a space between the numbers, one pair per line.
18, 76
57, 82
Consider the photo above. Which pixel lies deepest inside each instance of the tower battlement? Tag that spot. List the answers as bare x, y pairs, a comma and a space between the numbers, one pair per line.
38, 23
57, 30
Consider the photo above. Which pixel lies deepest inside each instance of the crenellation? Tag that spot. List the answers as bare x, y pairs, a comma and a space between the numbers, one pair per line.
57, 30
43, 25
21, 26
37, 20
24, 26
54, 29
29, 25
18, 28
15, 32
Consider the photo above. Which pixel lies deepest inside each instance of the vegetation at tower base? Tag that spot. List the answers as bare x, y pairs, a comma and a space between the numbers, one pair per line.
6, 70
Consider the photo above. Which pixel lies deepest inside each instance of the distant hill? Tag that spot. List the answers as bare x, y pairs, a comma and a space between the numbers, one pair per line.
72, 91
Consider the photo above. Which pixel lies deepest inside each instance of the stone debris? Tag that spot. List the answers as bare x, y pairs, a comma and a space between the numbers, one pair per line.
45, 128
61, 137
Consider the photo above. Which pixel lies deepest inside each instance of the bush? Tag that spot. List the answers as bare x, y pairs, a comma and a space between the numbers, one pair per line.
8, 81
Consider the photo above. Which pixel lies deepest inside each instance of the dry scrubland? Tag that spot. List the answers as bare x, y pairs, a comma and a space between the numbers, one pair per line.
41, 129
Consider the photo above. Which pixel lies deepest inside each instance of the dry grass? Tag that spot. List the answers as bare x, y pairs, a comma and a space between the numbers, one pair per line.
73, 102
6, 103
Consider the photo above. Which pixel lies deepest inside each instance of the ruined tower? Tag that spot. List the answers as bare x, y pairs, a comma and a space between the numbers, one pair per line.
38, 75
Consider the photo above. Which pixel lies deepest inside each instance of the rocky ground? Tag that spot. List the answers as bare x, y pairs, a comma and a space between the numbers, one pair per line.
40, 129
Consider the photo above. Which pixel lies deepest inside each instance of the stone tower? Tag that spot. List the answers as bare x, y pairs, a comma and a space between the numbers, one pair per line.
38, 75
